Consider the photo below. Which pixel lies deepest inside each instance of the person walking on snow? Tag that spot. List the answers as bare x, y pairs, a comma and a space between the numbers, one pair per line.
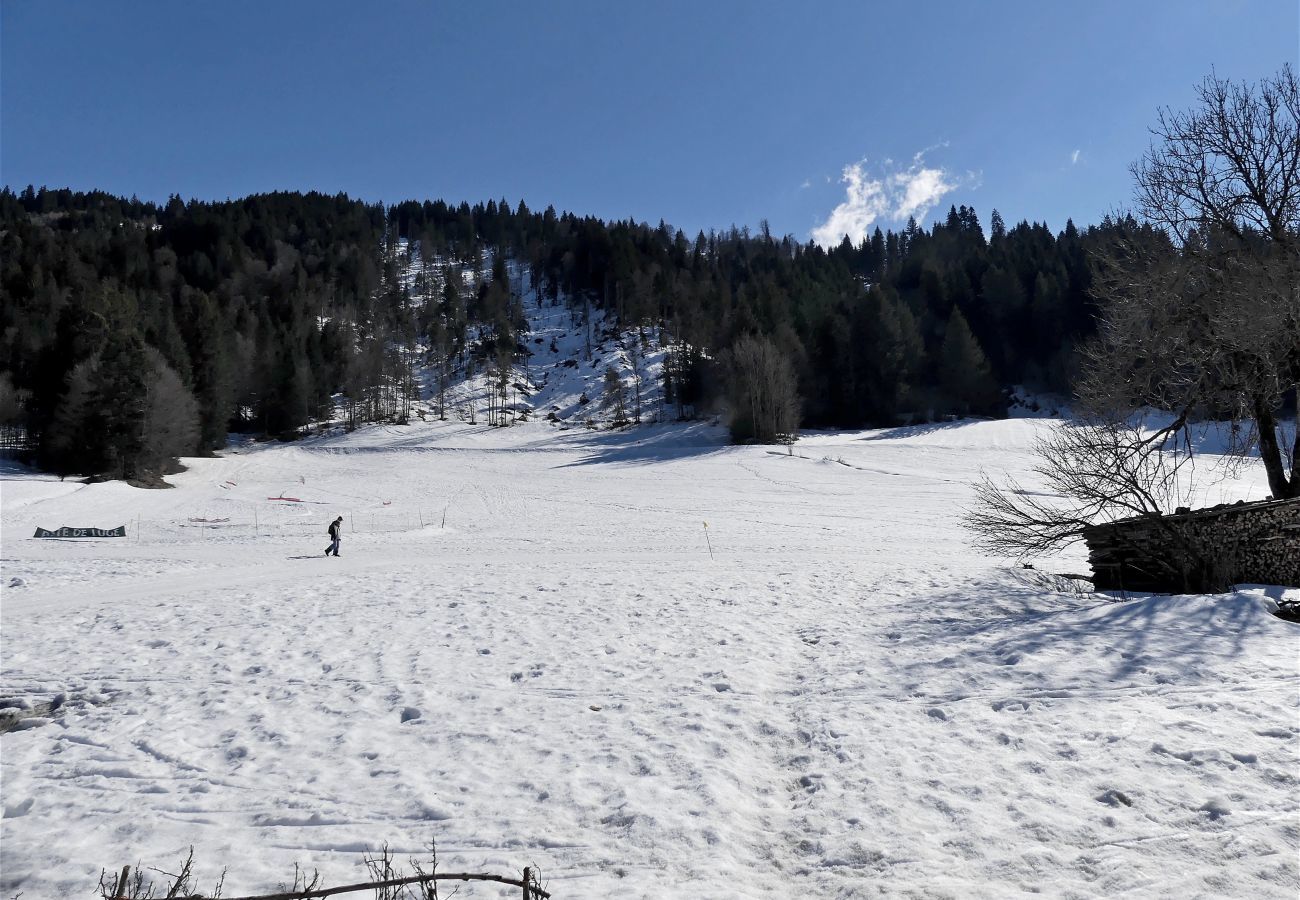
335, 538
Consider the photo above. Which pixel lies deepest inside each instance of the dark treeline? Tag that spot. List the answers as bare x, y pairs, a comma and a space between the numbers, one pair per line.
134, 332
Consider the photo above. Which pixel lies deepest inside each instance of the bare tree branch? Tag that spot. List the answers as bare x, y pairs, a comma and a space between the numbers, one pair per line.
1094, 472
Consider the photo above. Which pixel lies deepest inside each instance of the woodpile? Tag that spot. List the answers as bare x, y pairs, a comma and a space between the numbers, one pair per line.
1199, 551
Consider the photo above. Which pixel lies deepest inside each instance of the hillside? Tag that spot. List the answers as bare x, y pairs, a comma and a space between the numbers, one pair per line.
133, 333
554, 372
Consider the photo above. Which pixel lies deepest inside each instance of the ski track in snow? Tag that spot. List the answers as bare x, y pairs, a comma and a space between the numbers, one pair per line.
845, 700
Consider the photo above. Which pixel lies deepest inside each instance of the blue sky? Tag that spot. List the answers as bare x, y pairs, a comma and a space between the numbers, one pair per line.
830, 116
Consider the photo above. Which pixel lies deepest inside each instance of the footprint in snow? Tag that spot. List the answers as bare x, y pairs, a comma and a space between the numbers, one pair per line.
1216, 807
19, 809
1014, 705
1276, 733
1187, 756
1113, 797
809, 780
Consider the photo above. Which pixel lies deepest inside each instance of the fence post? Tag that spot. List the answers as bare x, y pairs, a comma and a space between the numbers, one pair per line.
527, 873
120, 893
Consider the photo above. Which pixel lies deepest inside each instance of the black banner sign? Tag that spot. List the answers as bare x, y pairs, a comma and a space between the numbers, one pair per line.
66, 532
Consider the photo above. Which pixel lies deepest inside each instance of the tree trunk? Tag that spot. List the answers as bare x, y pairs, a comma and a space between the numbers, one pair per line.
1295, 460
1270, 452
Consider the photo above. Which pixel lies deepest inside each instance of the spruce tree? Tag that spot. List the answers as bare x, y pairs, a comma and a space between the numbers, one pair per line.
997, 228
964, 374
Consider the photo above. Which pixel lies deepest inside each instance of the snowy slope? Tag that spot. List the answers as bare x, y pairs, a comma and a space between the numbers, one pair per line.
825, 694
558, 379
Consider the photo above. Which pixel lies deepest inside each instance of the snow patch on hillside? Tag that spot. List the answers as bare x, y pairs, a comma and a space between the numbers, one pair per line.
562, 378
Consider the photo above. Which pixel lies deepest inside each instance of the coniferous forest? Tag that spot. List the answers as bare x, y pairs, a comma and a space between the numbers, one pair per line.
133, 333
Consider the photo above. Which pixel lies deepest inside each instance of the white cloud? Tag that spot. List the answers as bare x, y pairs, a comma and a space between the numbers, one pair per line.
864, 202
807, 183
919, 189
1074, 158
894, 195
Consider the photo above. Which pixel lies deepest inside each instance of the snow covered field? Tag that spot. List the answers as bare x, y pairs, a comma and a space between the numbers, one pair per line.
842, 699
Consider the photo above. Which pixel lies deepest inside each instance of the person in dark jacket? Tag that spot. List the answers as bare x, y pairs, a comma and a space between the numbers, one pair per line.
335, 539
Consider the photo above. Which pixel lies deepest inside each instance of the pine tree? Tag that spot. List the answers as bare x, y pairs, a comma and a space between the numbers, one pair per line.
997, 228
964, 375
614, 400
70, 443
121, 397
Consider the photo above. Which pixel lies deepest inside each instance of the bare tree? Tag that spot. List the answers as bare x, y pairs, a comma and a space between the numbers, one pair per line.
13, 405
586, 325
636, 359
440, 359
614, 399
763, 392
1201, 308
1200, 317
1233, 161
171, 421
